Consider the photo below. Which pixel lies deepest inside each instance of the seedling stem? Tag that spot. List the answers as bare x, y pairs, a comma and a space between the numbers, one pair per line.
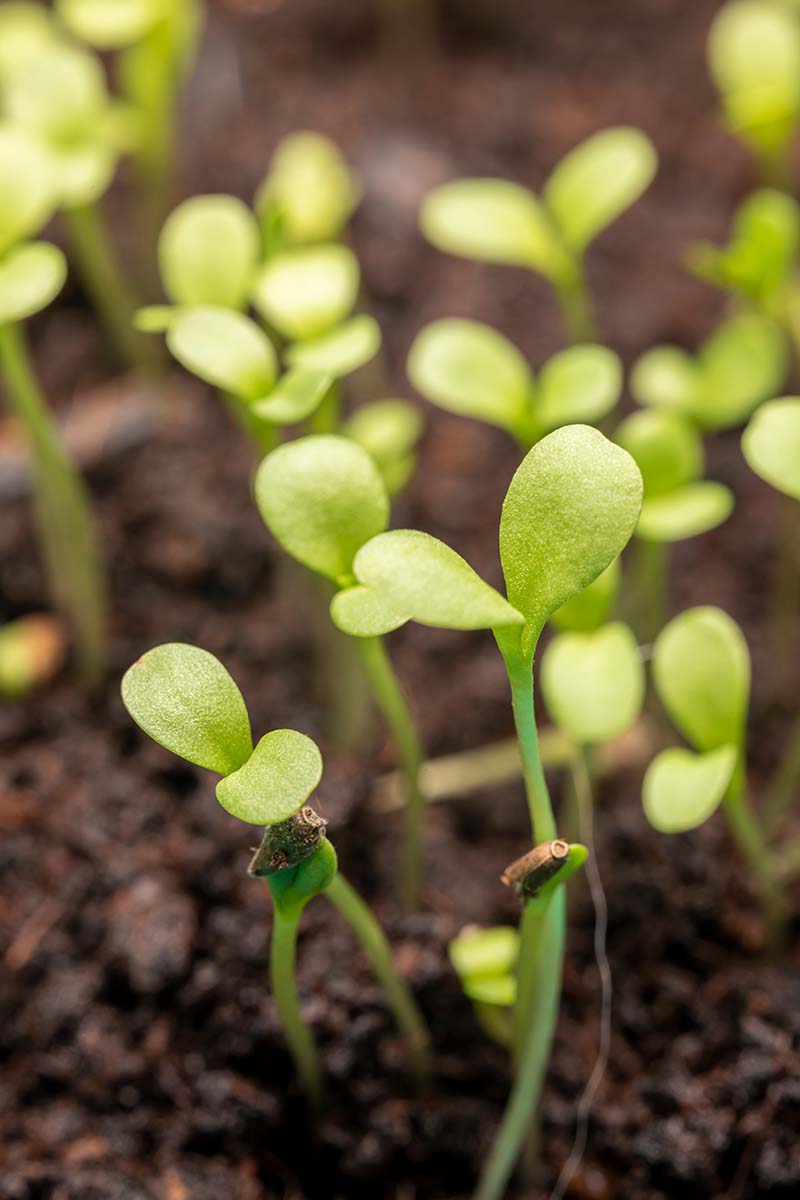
283, 971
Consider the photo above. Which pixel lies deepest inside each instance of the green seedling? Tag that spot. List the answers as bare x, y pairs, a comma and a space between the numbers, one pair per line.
743, 363
754, 58
324, 500
32, 274
471, 369
308, 195
485, 961
677, 504
771, 444
701, 671
155, 43
389, 431
183, 698
497, 221
55, 94
31, 651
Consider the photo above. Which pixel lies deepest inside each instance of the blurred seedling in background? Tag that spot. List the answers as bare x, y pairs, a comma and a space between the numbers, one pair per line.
154, 44
32, 649
486, 961
323, 499
308, 194
32, 274
495, 220
754, 59
53, 92
678, 504
469, 368
701, 671
183, 698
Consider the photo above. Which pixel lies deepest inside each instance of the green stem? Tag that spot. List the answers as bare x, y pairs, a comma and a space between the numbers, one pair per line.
283, 969
749, 837
327, 418
107, 286
650, 574
263, 434
392, 703
62, 509
785, 787
576, 309
520, 675
369, 933
547, 925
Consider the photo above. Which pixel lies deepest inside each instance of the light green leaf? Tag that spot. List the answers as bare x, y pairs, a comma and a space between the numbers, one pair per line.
701, 669
485, 952
470, 369
224, 348
207, 252
155, 318
24, 29
58, 94
666, 377
593, 683
184, 699
296, 395
277, 779
304, 293
499, 990
681, 790
27, 194
362, 612
388, 430
761, 253
492, 220
754, 56
31, 276
597, 181
591, 607
571, 508
322, 498
110, 24
685, 513
771, 444
309, 192
667, 448
743, 363
581, 384
341, 351
418, 575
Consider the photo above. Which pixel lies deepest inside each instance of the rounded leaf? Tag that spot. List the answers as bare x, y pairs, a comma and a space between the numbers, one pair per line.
60, 93
591, 607
224, 348
701, 669
184, 699
207, 252
322, 498
277, 779
581, 384
309, 192
593, 683
25, 27
420, 576
743, 363
154, 318
31, 276
470, 369
685, 513
362, 612
485, 952
493, 220
667, 448
341, 351
303, 293
597, 181
387, 429
771, 444
571, 508
666, 377
296, 395
27, 193
681, 790
110, 24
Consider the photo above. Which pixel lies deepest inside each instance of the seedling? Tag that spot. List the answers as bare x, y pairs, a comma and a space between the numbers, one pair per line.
771, 444
497, 221
55, 94
184, 699
754, 58
701, 671
155, 42
324, 500
389, 431
677, 504
32, 649
743, 363
471, 369
485, 961
308, 195
32, 274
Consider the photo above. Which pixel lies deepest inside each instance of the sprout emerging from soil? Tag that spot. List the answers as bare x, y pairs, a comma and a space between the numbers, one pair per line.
184, 699
498, 221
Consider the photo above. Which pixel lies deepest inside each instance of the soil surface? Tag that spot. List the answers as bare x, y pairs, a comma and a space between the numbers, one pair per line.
142, 1055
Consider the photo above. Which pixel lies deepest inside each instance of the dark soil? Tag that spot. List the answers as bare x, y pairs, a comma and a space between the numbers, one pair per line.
143, 1059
